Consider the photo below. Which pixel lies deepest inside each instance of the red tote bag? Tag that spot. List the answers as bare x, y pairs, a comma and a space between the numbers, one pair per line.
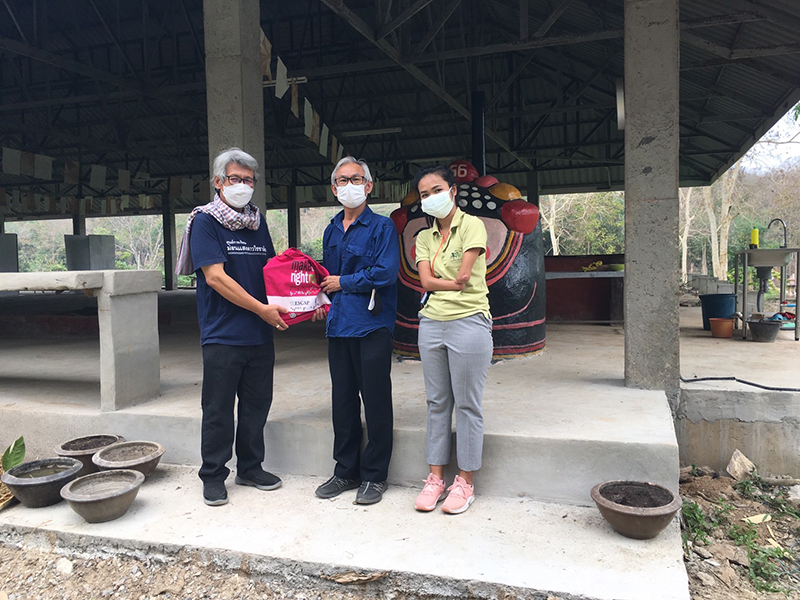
292, 280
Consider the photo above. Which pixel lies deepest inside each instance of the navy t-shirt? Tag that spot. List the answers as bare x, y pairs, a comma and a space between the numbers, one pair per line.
244, 252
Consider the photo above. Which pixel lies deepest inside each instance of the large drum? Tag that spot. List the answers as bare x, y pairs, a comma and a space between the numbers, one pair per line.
514, 268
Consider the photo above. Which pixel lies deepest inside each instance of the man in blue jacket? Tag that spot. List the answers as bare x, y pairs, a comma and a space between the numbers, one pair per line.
362, 253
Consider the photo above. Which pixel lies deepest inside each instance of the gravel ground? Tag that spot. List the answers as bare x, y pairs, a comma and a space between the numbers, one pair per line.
33, 573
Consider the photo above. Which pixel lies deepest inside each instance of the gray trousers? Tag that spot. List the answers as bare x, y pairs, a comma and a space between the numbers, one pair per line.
455, 358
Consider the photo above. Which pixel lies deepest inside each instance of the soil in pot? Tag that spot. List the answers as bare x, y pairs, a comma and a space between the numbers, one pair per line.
636, 509
83, 448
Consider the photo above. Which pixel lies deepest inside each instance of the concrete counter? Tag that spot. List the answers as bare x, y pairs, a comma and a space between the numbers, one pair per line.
127, 309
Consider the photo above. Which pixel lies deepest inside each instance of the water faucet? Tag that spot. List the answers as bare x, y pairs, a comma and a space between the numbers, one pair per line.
782, 222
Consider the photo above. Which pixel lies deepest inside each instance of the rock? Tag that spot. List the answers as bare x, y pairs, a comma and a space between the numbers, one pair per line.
706, 579
702, 552
793, 496
727, 574
64, 566
723, 551
740, 466
741, 558
685, 475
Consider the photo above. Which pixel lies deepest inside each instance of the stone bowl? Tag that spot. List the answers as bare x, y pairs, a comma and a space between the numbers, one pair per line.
38, 483
636, 509
83, 448
103, 496
139, 456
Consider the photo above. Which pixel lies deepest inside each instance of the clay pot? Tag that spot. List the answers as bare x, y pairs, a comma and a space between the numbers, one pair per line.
636, 509
721, 328
139, 456
103, 496
83, 448
38, 483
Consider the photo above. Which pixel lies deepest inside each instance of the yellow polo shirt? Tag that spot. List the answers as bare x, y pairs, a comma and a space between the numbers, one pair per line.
466, 232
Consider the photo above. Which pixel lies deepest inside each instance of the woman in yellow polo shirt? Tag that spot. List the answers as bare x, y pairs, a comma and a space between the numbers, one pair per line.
455, 337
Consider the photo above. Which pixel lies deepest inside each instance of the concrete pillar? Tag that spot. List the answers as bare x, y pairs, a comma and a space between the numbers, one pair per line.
129, 359
293, 217
234, 93
170, 252
79, 222
9, 253
652, 261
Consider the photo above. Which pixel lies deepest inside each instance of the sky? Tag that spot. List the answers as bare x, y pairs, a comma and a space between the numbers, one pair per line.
778, 145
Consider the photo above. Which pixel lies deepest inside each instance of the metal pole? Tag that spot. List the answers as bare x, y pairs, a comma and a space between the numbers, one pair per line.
479, 132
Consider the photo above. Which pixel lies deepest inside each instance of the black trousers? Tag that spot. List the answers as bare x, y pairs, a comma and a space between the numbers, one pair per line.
362, 366
228, 372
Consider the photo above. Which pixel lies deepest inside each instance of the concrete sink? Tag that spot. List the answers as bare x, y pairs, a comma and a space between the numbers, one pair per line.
769, 257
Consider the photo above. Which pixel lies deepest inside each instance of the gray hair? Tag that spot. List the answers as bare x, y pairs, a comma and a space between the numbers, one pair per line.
349, 160
233, 155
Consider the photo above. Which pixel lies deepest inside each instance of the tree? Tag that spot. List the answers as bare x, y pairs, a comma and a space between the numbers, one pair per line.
687, 216
554, 210
718, 201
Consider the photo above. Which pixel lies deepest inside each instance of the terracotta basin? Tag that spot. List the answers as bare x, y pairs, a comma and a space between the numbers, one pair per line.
83, 448
139, 456
636, 509
38, 483
103, 496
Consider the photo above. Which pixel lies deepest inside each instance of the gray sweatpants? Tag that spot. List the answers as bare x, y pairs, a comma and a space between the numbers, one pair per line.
455, 358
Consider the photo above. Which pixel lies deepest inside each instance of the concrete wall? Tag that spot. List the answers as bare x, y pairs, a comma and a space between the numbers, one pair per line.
764, 425
89, 252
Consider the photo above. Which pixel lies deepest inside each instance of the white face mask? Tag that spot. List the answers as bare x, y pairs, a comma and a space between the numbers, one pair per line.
351, 195
238, 194
438, 205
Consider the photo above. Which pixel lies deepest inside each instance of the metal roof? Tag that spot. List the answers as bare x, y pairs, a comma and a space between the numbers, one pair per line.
122, 84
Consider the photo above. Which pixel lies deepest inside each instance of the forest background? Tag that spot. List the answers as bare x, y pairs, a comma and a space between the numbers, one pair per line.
715, 220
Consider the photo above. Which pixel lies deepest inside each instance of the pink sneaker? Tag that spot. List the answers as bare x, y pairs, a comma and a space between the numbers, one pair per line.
430, 495
460, 497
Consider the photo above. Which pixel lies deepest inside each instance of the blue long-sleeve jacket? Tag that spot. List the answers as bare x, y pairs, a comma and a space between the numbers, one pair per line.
366, 256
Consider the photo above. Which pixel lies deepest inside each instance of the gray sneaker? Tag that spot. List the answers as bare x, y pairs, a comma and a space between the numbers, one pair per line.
335, 486
370, 492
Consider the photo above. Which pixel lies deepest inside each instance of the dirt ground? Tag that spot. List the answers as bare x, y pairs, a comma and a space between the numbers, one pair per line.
718, 568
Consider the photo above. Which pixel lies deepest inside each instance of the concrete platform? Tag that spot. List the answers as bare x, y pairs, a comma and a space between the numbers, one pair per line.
556, 424
501, 547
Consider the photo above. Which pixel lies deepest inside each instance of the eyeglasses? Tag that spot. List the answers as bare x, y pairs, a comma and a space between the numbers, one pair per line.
342, 181
233, 179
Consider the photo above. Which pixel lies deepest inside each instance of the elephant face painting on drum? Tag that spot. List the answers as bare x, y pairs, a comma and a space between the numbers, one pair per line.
514, 267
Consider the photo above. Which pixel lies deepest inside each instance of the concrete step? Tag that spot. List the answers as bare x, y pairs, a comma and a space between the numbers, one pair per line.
501, 547
550, 434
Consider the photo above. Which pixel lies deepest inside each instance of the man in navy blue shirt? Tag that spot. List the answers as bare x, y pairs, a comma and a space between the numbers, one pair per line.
362, 253
227, 243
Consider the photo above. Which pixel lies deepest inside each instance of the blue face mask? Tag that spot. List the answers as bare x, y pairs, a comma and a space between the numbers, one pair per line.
438, 205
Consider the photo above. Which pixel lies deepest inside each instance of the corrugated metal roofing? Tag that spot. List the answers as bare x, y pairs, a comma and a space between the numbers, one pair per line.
554, 105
